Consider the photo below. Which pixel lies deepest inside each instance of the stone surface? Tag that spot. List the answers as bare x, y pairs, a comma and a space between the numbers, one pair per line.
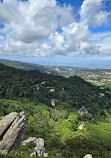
40, 143
30, 139
45, 155
6, 122
22, 113
14, 133
88, 156
33, 154
39, 149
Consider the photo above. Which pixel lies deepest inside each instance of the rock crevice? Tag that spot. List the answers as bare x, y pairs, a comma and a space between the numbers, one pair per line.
12, 131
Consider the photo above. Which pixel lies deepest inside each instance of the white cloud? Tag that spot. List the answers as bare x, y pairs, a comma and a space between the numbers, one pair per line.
92, 13
33, 20
101, 18
1, 37
30, 28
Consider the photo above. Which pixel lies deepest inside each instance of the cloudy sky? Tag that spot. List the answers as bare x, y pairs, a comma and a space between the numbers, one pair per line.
56, 32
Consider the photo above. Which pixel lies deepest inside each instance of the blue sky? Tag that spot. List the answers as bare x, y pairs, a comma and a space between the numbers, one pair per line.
1, 26
74, 3
62, 32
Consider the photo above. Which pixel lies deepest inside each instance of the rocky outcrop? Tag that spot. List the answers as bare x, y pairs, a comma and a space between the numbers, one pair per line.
88, 156
12, 133
39, 149
6, 122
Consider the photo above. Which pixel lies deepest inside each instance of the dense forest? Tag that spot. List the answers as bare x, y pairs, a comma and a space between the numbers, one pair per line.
52, 104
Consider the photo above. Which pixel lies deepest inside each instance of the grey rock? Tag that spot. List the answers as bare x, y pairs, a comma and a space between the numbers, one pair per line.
45, 155
40, 143
39, 149
6, 122
30, 139
14, 134
22, 113
88, 156
33, 154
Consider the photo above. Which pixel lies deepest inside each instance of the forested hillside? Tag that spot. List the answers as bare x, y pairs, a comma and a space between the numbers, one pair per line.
23, 65
99, 77
53, 105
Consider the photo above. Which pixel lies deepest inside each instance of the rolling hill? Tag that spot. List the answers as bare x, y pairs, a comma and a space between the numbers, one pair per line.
100, 77
56, 107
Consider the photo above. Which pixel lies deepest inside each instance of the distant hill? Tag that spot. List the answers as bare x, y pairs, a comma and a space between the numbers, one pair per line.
30, 66
36, 85
42, 87
22, 65
100, 77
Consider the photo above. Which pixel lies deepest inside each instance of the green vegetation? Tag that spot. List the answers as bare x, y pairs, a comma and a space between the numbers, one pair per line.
108, 85
99, 77
58, 125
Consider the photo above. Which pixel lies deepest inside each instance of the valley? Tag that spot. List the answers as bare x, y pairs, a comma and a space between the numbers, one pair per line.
71, 115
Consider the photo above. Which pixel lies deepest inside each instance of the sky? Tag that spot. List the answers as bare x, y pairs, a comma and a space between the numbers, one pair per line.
56, 32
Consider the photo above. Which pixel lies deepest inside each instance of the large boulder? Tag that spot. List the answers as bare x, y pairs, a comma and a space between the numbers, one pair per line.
6, 122
88, 156
12, 132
